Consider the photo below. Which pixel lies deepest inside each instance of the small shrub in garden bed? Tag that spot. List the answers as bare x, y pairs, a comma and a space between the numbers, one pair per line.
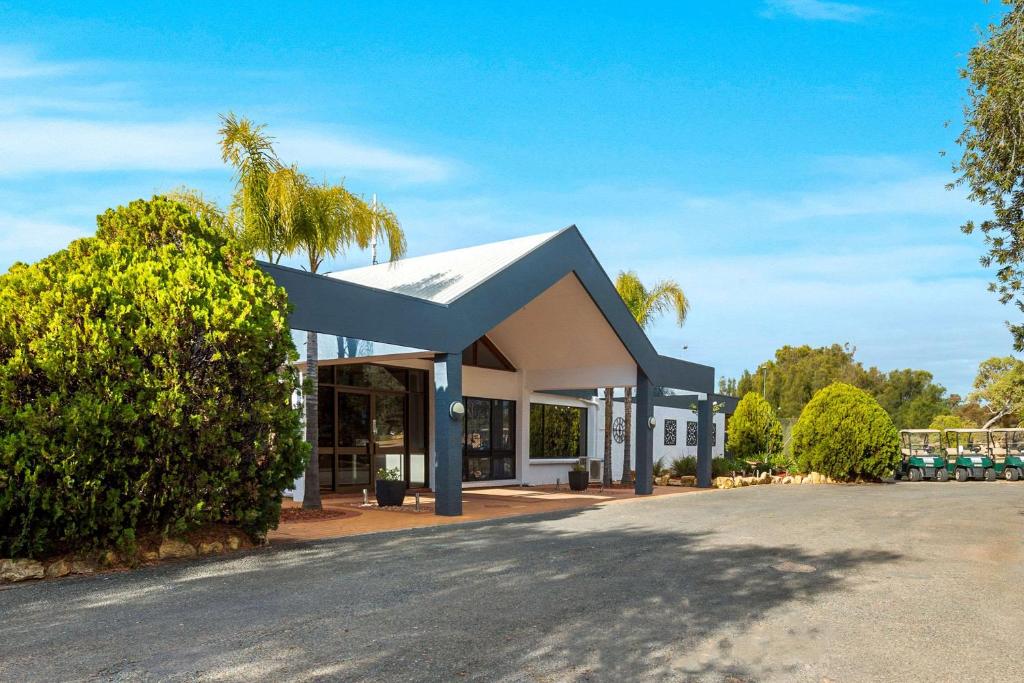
753, 428
844, 433
684, 467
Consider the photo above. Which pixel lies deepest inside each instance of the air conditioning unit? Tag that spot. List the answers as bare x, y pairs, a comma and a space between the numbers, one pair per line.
596, 470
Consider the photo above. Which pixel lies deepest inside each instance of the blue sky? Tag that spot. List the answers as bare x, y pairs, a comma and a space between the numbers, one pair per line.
779, 158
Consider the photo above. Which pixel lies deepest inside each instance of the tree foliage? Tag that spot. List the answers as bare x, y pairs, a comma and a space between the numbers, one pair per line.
992, 164
144, 386
941, 422
999, 388
753, 428
844, 433
796, 373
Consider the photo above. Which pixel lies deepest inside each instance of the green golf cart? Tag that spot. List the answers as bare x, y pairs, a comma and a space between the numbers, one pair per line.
1008, 453
969, 454
923, 456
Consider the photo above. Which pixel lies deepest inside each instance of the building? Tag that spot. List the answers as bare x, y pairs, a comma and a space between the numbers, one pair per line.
464, 367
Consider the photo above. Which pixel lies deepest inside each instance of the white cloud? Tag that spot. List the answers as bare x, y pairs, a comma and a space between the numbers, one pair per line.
31, 238
20, 64
31, 145
818, 10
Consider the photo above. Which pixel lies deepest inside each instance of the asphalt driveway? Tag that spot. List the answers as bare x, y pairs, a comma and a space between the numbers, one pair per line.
790, 583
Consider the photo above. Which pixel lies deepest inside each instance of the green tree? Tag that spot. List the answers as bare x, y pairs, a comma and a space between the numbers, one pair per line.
942, 422
145, 386
245, 146
324, 220
910, 397
728, 386
754, 428
790, 380
844, 433
992, 164
646, 304
999, 388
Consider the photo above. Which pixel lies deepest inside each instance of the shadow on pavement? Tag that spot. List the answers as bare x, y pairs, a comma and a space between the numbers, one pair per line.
559, 596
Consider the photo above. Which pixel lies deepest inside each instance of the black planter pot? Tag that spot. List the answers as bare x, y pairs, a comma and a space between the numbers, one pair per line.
578, 480
390, 493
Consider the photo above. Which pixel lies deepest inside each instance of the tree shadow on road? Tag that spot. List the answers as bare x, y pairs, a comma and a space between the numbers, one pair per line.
555, 597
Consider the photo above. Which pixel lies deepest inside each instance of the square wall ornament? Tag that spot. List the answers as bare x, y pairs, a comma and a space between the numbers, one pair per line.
670, 432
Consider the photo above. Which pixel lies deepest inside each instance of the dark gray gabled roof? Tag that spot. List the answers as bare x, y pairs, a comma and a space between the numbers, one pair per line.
334, 306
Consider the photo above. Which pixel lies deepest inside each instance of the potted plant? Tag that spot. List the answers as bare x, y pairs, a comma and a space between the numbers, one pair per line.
390, 487
579, 478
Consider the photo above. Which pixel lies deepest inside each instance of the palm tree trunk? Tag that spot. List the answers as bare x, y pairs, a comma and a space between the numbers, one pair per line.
607, 478
627, 467
311, 495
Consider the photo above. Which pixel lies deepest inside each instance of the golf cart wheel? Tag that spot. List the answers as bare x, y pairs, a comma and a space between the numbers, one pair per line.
990, 474
1011, 474
914, 474
961, 474
941, 474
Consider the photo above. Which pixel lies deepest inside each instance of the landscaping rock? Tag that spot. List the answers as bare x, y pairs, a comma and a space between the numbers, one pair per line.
807, 480
688, 481
21, 570
174, 548
788, 480
150, 555
58, 568
724, 483
234, 542
83, 566
211, 548
765, 478
109, 558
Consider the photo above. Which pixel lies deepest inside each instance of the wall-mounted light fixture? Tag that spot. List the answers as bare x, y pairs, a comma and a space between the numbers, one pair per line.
651, 422
456, 410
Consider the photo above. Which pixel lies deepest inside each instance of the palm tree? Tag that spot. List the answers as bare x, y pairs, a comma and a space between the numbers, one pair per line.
323, 220
278, 210
245, 146
646, 305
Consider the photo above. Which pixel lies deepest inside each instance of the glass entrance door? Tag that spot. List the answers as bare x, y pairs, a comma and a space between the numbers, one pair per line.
354, 443
389, 433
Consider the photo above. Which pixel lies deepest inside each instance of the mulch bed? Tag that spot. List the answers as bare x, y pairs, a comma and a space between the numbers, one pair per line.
289, 515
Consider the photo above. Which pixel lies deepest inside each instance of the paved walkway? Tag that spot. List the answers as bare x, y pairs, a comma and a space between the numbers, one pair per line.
905, 582
477, 504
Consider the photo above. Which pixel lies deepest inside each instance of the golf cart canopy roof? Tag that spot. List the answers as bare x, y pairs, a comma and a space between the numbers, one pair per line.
979, 430
921, 431
1008, 429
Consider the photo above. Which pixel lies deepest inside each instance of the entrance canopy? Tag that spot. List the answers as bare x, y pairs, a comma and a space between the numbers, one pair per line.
541, 305
444, 302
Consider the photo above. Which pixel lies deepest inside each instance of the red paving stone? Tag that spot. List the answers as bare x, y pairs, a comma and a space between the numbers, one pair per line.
477, 504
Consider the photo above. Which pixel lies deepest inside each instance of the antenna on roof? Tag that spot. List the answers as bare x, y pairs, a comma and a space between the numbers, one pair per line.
373, 232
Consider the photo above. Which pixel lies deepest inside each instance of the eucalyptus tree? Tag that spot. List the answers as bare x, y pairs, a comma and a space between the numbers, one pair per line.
646, 305
324, 220
992, 164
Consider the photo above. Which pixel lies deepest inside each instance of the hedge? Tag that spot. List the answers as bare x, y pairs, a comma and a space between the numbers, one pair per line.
844, 433
145, 386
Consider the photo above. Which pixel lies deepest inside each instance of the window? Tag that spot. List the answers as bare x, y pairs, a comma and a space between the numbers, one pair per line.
484, 354
557, 431
489, 440
670, 432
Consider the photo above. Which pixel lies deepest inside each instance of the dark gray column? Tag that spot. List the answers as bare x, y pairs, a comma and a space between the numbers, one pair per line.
644, 485
447, 435
704, 416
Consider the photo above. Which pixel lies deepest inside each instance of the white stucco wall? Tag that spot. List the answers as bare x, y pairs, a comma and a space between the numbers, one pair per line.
666, 453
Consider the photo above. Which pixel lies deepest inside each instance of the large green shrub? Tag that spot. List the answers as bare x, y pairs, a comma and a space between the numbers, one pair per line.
844, 433
753, 428
144, 386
